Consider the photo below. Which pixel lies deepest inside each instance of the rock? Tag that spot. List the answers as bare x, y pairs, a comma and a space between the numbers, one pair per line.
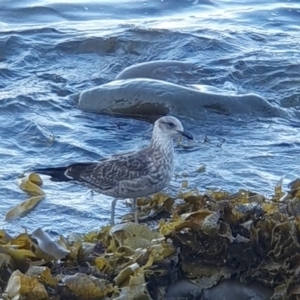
86, 287
158, 69
225, 290
21, 286
149, 97
232, 289
184, 289
43, 274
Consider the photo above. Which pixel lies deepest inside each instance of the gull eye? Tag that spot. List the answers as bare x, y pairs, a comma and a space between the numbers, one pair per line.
171, 124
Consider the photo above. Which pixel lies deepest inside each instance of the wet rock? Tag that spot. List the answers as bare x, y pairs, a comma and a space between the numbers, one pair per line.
21, 286
231, 289
86, 287
225, 290
149, 97
184, 289
43, 274
159, 69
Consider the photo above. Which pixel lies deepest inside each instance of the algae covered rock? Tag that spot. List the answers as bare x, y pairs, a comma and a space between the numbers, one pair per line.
196, 245
241, 235
21, 286
86, 287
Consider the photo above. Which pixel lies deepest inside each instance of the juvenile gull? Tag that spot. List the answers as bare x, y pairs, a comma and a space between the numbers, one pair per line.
132, 174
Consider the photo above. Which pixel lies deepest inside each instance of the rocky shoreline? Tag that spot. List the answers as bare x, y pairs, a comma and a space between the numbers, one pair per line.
213, 245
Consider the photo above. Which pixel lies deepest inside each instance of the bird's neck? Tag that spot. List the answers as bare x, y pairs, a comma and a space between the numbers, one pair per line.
162, 143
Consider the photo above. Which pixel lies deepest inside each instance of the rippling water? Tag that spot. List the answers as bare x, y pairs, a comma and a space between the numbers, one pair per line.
50, 50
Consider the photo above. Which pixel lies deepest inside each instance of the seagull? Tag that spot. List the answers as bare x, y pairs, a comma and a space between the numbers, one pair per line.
132, 174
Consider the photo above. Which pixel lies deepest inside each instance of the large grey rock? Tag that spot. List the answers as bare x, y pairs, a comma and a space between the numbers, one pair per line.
158, 69
148, 97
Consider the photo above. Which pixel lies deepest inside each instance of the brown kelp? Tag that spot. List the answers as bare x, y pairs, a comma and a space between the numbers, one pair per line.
194, 246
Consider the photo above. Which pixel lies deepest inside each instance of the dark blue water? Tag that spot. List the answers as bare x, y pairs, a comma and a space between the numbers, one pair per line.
50, 50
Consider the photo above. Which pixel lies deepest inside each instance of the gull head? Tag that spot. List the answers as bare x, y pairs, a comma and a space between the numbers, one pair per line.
170, 127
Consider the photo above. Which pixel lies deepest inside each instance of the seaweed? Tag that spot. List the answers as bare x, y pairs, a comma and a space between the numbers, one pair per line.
192, 246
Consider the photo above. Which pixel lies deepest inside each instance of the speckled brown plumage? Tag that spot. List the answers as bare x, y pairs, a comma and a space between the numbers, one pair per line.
129, 175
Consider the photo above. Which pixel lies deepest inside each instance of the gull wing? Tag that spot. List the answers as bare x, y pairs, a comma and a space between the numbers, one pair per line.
108, 173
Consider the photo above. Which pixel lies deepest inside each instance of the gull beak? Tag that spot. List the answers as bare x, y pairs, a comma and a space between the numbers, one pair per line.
186, 135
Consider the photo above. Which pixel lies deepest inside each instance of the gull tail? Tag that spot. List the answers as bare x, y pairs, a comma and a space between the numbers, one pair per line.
57, 174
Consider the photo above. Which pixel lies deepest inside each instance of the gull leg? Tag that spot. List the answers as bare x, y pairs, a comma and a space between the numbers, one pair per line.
136, 220
112, 215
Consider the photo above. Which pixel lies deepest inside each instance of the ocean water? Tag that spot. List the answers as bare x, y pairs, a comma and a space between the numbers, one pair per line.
50, 50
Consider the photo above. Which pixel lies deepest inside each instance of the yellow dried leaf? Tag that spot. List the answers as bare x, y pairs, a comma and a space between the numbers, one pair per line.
150, 262
91, 237
125, 273
23, 208
30, 187
19, 254
196, 217
35, 178
270, 208
168, 228
31, 184
192, 220
159, 199
20, 257
133, 235
103, 235
74, 250
21, 241
124, 251
103, 265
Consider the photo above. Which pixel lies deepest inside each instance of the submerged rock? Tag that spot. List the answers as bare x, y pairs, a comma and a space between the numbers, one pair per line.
158, 69
149, 97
